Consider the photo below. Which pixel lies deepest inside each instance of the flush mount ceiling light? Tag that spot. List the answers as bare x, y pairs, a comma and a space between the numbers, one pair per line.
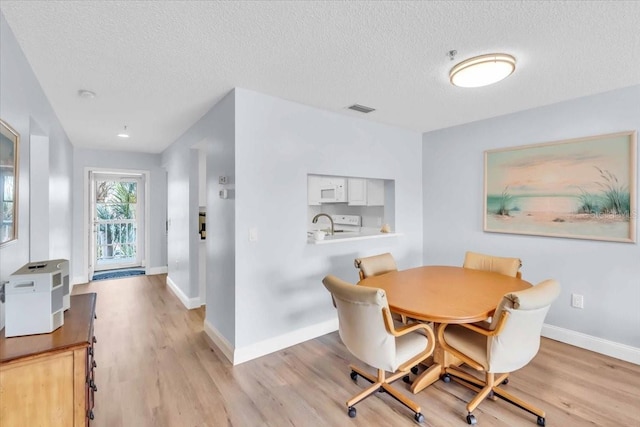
87, 94
482, 70
124, 133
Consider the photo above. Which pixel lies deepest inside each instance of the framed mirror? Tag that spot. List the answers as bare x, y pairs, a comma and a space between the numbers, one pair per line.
9, 140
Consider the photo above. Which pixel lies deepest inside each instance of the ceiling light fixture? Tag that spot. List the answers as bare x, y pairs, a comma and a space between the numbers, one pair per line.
482, 70
124, 133
87, 94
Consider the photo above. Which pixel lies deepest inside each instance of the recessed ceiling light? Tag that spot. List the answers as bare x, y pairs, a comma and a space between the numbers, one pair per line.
482, 70
124, 133
83, 93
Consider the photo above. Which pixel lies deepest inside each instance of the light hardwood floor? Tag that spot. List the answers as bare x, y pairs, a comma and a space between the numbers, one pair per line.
156, 368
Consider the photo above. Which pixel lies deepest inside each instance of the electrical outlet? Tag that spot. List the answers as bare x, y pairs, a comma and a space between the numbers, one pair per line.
577, 301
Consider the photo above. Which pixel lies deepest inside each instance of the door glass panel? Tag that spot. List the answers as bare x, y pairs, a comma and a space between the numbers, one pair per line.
116, 223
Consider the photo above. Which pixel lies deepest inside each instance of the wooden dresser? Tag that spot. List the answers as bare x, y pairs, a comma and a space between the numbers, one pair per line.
49, 379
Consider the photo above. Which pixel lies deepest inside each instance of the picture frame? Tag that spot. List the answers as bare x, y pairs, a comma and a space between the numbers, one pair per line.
581, 188
9, 162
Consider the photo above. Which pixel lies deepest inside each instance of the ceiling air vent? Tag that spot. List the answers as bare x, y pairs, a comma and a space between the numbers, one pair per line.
361, 108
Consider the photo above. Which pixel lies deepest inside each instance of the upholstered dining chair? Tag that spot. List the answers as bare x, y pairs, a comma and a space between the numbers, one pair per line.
368, 331
509, 343
496, 264
374, 266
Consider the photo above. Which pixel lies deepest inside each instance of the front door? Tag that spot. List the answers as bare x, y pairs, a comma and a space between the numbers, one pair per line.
117, 206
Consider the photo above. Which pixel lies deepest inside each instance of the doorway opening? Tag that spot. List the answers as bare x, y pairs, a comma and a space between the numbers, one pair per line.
117, 212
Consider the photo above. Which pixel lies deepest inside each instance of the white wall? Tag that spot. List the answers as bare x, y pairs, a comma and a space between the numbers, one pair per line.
278, 288
179, 165
24, 106
266, 295
221, 230
606, 273
211, 136
156, 253
39, 197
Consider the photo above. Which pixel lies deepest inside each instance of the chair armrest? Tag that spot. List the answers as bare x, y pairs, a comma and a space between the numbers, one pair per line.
443, 343
405, 329
487, 332
475, 328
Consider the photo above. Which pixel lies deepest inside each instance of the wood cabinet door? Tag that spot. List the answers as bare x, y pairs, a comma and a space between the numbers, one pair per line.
38, 392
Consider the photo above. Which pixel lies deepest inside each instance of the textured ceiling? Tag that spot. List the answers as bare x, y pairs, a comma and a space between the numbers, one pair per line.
159, 66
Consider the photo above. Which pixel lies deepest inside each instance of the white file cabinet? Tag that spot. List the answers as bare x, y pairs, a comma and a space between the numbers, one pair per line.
35, 299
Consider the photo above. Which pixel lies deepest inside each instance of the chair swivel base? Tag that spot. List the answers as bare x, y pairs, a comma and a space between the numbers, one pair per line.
381, 384
489, 390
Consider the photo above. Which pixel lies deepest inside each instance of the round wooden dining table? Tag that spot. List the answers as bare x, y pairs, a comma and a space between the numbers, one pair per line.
443, 294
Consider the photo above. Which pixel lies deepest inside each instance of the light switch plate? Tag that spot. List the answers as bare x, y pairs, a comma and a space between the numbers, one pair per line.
253, 234
223, 180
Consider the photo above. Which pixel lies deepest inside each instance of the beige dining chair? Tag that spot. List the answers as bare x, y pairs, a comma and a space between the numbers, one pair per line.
374, 266
496, 264
367, 330
508, 344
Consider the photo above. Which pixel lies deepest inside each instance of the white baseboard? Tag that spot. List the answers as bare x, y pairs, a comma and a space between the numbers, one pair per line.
218, 340
240, 355
150, 271
588, 342
280, 342
189, 303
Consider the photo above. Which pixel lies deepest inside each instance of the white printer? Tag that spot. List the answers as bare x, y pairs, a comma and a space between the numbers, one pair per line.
36, 296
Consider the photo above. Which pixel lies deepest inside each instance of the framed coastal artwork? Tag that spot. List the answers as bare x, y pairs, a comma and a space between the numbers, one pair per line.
581, 188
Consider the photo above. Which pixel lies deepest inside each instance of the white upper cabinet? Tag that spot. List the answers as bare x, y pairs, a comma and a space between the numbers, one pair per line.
313, 189
357, 189
375, 192
366, 192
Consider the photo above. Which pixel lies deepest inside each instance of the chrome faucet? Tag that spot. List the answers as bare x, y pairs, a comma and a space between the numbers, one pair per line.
315, 220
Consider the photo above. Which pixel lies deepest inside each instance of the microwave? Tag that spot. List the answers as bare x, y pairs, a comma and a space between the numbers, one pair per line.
333, 193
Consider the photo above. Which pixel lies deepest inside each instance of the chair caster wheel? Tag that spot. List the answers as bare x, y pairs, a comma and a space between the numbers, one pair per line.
406, 379
419, 417
351, 411
414, 370
354, 375
541, 421
446, 378
381, 390
471, 419
506, 381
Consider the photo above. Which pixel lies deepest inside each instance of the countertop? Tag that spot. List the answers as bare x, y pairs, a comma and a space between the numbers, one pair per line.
351, 236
